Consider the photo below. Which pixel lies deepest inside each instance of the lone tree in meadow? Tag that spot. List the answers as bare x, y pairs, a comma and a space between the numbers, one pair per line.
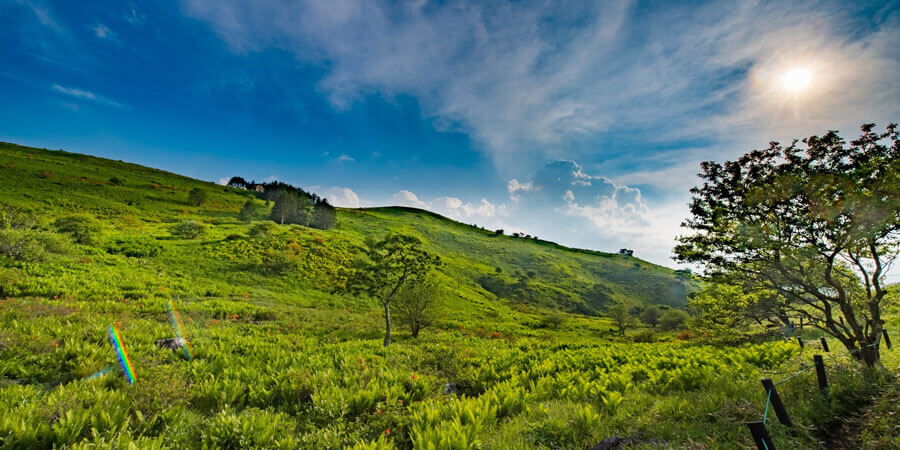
390, 264
817, 224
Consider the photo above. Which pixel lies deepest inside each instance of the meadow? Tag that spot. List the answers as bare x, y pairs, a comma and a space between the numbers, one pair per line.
521, 356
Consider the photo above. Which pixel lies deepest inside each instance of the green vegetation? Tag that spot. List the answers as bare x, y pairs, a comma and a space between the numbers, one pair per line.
809, 231
523, 354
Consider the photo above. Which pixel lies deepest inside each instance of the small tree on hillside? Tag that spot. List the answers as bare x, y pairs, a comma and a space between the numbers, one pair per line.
197, 196
248, 211
417, 304
621, 318
389, 265
818, 226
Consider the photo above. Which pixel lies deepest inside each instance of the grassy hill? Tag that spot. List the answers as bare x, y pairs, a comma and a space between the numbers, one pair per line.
486, 274
281, 361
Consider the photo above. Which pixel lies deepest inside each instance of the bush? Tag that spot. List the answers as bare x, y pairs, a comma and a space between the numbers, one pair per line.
553, 320
248, 211
83, 229
134, 246
644, 336
116, 181
197, 197
278, 262
263, 229
29, 245
188, 230
673, 319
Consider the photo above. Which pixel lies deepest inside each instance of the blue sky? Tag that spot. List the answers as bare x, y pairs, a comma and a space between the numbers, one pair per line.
580, 122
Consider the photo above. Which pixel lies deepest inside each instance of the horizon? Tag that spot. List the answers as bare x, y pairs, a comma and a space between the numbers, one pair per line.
581, 124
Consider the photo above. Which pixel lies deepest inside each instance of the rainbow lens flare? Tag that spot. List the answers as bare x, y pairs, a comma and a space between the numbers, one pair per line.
178, 326
124, 361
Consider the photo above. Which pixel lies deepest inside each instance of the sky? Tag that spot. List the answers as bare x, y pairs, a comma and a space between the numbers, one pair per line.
578, 122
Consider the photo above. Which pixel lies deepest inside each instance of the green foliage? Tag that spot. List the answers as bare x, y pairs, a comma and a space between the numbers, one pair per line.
417, 304
197, 197
553, 320
29, 245
390, 264
83, 229
134, 246
264, 228
650, 315
190, 229
283, 362
249, 211
673, 319
815, 224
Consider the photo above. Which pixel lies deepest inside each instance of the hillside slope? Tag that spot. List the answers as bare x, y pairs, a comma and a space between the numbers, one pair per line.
137, 206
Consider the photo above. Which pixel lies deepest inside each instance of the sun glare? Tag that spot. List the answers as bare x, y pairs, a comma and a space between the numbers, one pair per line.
795, 80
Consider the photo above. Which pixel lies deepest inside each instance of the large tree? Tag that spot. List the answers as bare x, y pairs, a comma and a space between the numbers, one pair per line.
389, 265
817, 224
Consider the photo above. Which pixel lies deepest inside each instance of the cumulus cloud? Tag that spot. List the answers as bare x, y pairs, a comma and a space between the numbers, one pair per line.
341, 196
407, 198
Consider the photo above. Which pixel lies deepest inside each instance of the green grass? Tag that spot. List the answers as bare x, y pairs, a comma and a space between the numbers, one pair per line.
284, 361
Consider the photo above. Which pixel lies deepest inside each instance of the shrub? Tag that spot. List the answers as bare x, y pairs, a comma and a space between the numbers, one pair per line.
197, 197
29, 245
644, 336
553, 320
83, 229
134, 246
279, 261
673, 319
188, 230
116, 181
248, 211
263, 229
233, 237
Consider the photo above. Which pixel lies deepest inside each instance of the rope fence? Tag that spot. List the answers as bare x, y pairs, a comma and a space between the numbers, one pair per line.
773, 401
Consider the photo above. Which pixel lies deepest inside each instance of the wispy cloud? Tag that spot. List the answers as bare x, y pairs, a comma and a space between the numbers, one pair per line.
85, 95
523, 88
346, 158
102, 31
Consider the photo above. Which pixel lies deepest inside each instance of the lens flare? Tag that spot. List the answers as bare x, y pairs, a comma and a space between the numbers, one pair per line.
122, 354
178, 327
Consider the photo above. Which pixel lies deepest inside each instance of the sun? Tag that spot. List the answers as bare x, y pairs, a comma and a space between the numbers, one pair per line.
796, 80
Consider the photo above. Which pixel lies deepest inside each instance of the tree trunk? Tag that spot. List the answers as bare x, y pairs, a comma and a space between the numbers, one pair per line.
387, 324
415, 332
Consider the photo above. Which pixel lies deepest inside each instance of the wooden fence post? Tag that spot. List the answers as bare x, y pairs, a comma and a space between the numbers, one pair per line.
887, 339
761, 436
800, 341
780, 412
825, 346
820, 373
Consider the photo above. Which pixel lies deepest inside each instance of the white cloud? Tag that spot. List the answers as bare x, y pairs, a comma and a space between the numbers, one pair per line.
407, 198
84, 95
345, 157
525, 90
102, 31
223, 181
341, 196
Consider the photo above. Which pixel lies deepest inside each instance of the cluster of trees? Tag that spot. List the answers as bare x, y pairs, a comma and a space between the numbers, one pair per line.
666, 319
291, 205
800, 232
395, 271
